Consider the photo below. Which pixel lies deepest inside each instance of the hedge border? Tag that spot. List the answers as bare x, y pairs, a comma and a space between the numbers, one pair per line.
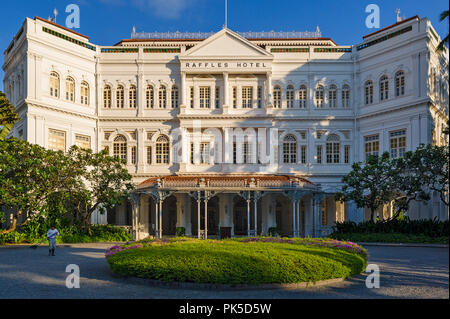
205, 286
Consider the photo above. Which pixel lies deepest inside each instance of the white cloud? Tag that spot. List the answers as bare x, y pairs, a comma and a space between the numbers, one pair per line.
170, 9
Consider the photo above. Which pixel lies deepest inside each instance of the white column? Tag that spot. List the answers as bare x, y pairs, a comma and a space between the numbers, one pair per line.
206, 219
160, 218
226, 90
294, 222
180, 211
269, 100
140, 149
256, 217
199, 228
248, 218
156, 219
255, 96
140, 93
183, 89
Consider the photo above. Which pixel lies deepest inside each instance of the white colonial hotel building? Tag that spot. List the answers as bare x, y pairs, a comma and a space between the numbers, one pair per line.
314, 106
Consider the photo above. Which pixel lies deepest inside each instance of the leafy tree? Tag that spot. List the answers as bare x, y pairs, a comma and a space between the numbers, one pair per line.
428, 168
105, 182
408, 182
29, 174
369, 184
443, 16
7, 116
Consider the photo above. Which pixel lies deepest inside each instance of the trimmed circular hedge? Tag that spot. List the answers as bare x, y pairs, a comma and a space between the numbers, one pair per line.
232, 262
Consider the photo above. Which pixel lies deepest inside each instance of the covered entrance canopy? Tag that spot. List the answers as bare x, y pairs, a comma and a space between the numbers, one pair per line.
203, 188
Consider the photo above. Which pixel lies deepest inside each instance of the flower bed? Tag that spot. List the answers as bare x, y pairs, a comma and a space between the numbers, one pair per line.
238, 261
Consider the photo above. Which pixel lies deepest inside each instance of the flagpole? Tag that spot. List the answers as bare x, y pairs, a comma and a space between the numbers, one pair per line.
226, 13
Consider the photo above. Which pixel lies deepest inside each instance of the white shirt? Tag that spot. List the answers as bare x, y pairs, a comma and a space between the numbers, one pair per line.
52, 233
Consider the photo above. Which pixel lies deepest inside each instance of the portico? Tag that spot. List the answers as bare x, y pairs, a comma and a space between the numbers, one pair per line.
247, 206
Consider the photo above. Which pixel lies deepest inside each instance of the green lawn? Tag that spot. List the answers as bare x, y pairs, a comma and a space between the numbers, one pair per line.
238, 262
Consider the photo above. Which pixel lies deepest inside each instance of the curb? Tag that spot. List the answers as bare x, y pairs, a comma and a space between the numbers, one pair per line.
199, 286
404, 245
18, 246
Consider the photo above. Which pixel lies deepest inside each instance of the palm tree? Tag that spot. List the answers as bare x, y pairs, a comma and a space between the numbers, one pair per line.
444, 15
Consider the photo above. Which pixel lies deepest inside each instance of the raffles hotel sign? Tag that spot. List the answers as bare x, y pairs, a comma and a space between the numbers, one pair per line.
224, 66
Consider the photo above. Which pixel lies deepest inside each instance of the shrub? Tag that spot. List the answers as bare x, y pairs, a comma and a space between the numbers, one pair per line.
181, 231
271, 260
69, 235
273, 232
431, 228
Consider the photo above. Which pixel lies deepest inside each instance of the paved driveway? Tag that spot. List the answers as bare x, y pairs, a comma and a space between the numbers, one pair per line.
27, 273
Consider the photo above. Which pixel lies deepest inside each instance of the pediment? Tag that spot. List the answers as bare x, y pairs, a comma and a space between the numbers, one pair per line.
227, 43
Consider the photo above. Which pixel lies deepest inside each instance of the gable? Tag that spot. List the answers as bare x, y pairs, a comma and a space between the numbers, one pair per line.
226, 44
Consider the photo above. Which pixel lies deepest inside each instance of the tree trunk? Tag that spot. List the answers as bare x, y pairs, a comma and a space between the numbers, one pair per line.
372, 214
11, 228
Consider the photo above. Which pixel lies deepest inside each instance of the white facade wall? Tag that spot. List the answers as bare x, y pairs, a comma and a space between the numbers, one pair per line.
34, 54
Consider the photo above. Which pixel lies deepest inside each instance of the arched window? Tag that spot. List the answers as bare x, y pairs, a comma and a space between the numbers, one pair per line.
319, 96
384, 88
162, 150
120, 148
174, 96
132, 97
368, 92
70, 89
290, 97
277, 97
290, 150
150, 97
120, 97
54, 84
303, 96
107, 101
332, 96
400, 83
333, 149
162, 97
345, 96
84, 93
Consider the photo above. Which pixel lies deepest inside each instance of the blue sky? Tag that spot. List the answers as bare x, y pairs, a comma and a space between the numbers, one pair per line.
106, 22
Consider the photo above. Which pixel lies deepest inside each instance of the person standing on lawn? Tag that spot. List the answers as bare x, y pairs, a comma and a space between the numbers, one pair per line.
51, 236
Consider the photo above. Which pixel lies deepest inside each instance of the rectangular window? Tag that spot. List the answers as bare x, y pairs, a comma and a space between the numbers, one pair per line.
234, 97
398, 143
217, 97
57, 140
192, 153
205, 97
372, 145
247, 152
247, 97
82, 141
191, 97
260, 94
303, 154
333, 152
319, 154
149, 155
234, 153
347, 154
204, 153
133, 155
